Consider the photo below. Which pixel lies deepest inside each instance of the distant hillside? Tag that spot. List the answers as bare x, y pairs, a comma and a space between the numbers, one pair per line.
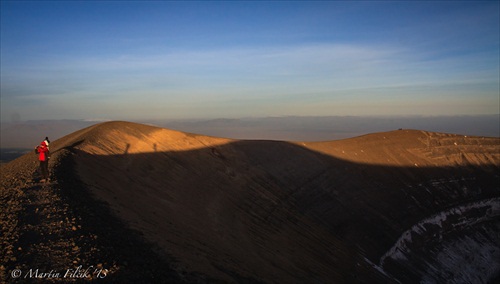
401, 206
27, 134
9, 154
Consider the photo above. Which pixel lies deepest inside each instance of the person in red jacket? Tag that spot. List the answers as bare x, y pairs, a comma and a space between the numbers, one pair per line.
43, 157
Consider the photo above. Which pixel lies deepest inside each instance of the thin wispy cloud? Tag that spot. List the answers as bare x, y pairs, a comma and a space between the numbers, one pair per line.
288, 73
311, 58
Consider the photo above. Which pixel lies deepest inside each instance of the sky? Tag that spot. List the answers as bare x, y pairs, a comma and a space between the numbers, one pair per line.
179, 60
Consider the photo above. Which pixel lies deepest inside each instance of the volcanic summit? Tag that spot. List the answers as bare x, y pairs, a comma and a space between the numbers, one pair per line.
152, 204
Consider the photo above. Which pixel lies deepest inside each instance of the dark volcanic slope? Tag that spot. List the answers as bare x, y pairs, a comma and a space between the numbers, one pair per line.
405, 206
47, 229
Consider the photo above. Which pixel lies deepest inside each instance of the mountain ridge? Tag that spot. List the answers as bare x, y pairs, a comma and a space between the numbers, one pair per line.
260, 209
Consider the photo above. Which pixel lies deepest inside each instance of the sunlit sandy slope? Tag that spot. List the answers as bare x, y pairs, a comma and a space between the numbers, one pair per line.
277, 211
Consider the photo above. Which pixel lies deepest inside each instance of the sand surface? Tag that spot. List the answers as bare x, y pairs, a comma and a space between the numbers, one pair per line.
208, 208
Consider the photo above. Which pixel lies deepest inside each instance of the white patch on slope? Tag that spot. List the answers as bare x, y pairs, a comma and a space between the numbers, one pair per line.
455, 255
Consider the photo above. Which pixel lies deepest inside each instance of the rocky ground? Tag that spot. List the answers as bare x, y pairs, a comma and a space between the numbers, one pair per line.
58, 232
138, 204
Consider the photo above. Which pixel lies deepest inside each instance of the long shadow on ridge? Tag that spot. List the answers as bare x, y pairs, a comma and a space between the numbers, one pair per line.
276, 211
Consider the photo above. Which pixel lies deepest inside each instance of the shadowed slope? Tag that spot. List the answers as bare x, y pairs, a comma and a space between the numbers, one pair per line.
208, 207
262, 208
50, 231
293, 212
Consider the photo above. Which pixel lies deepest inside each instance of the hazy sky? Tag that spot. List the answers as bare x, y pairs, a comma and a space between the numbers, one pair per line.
153, 60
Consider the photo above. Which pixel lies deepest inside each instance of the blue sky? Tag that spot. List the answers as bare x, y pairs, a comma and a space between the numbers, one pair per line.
156, 60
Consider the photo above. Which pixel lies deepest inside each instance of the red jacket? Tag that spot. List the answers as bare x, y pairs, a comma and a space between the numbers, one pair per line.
43, 152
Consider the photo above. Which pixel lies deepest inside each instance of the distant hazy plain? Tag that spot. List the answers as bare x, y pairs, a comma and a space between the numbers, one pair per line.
27, 134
